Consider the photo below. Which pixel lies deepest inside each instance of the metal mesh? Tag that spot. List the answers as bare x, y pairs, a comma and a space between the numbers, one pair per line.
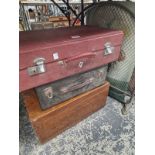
121, 73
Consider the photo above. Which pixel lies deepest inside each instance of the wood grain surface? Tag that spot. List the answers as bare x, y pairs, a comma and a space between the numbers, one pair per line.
51, 122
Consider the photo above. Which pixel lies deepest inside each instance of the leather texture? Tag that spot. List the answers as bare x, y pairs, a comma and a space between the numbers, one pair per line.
61, 90
63, 50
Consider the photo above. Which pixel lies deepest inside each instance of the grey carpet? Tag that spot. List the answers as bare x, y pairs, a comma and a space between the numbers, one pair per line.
106, 132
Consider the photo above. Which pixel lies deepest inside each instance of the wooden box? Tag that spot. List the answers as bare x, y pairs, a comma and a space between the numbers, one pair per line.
58, 18
51, 122
41, 25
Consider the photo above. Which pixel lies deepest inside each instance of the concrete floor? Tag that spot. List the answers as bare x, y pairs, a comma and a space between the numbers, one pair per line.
106, 132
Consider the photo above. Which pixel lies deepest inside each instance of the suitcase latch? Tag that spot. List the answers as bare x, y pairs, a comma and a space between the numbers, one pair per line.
48, 92
108, 48
38, 68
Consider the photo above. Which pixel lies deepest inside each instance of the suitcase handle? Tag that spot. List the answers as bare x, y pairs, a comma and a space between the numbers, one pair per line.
75, 86
86, 55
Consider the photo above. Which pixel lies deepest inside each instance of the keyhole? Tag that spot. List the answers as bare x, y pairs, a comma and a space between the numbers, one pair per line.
81, 64
49, 95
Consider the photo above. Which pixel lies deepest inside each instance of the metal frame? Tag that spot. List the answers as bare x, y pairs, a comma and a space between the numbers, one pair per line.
79, 16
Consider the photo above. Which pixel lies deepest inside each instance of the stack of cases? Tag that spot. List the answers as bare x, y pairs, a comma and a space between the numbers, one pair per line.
63, 63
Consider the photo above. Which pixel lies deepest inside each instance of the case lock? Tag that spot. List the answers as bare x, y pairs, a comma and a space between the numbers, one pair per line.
48, 92
81, 63
108, 48
38, 68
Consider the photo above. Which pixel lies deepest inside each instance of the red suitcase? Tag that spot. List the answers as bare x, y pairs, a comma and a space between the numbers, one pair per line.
49, 55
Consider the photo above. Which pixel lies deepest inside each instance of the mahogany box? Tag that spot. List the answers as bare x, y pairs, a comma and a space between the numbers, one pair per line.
53, 121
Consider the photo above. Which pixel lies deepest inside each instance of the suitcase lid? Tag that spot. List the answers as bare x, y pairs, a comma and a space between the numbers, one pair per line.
35, 42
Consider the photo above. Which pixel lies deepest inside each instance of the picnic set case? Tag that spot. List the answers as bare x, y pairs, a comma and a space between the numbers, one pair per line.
54, 54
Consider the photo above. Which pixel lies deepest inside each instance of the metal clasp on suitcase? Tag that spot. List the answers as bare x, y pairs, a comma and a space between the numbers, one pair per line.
109, 49
48, 92
38, 68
